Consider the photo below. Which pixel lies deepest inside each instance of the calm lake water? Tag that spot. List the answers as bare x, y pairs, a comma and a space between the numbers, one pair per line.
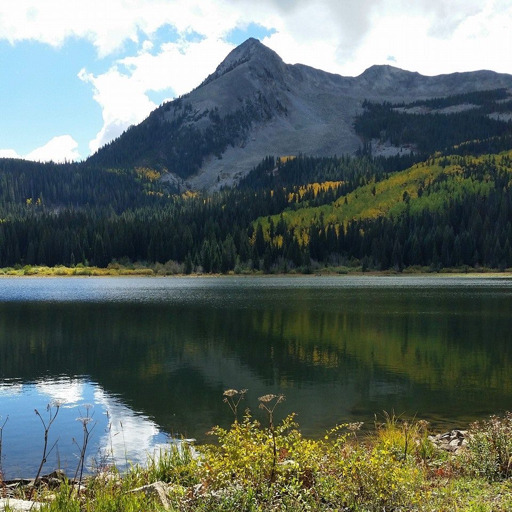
152, 357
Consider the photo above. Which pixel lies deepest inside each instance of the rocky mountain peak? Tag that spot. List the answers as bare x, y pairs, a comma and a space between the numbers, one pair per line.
255, 105
384, 70
384, 79
246, 51
250, 51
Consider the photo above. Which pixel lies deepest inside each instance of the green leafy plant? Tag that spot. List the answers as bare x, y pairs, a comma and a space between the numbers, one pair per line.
176, 464
489, 448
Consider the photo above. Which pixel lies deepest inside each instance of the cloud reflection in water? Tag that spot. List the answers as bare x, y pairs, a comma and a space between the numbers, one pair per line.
131, 438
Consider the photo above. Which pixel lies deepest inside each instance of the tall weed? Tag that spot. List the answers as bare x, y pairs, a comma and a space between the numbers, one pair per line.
489, 448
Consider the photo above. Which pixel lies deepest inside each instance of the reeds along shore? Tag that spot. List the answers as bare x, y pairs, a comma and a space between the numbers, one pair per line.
267, 466
172, 268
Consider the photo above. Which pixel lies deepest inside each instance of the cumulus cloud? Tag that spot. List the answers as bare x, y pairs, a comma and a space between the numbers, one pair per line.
431, 36
328, 32
9, 153
59, 149
478, 40
446, 17
122, 91
122, 99
108, 25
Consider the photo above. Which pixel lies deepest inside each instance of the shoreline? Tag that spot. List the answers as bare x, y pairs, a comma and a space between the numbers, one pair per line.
61, 271
400, 468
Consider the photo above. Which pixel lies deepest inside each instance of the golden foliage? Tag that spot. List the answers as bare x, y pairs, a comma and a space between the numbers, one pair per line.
392, 196
316, 188
286, 158
148, 174
189, 194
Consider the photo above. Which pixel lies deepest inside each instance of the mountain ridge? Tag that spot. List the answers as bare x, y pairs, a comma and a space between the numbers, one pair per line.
254, 105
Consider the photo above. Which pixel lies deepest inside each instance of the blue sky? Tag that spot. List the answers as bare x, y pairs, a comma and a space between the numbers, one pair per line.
74, 74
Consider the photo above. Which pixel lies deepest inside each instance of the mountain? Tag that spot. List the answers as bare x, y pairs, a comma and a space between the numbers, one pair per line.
255, 105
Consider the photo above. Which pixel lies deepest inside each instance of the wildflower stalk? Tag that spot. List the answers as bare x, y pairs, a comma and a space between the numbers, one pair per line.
268, 403
110, 437
52, 415
85, 420
233, 397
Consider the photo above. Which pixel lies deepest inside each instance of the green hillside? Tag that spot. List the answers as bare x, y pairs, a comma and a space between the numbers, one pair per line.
431, 185
447, 211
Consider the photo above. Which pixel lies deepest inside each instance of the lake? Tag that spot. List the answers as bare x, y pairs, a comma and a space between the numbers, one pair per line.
149, 358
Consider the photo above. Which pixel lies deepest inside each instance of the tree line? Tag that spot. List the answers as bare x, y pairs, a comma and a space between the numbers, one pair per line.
222, 232
472, 126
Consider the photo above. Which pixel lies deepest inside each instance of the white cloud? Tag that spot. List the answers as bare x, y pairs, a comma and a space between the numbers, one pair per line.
179, 66
482, 40
323, 33
59, 149
123, 102
431, 36
9, 153
122, 92
108, 25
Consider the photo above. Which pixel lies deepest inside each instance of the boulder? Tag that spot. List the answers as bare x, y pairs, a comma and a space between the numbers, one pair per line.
157, 490
18, 505
451, 441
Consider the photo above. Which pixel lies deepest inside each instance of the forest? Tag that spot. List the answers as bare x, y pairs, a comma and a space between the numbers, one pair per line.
445, 204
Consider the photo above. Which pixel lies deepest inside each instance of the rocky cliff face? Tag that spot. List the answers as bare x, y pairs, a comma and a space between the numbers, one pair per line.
255, 105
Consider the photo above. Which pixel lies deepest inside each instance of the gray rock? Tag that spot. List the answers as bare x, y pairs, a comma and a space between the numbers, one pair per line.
18, 505
451, 441
157, 490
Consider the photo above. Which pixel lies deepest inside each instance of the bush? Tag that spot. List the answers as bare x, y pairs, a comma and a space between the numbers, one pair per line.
375, 480
489, 448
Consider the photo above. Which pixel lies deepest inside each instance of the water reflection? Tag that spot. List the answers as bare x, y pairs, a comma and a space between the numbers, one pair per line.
119, 435
339, 349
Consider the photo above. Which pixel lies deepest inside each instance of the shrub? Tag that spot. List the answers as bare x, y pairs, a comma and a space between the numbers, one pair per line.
489, 448
404, 438
375, 480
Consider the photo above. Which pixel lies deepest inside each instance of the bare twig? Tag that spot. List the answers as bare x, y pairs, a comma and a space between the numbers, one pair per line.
85, 420
53, 411
1, 438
